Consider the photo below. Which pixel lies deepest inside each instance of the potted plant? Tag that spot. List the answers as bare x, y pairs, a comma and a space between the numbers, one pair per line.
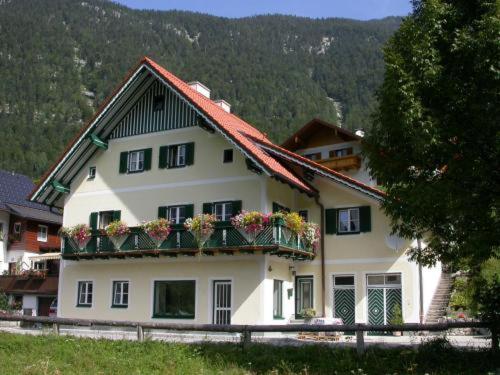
80, 234
310, 235
201, 227
250, 224
396, 319
117, 231
158, 230
308, 314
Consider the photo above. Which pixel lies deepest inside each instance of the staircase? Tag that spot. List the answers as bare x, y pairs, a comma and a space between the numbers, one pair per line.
441, 298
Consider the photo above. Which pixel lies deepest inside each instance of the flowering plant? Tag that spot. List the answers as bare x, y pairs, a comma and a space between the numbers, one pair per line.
294, 222
81, 234
201, 226
117, 228
311, 234
251, 222
158, 230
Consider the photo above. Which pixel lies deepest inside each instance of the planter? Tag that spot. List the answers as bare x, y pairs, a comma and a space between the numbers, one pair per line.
118, 241
397, 333
250, 237
158, 240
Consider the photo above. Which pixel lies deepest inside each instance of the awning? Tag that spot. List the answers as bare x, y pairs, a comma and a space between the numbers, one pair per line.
46, 256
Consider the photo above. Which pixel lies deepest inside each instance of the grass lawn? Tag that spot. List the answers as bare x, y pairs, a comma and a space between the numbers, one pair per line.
49, 354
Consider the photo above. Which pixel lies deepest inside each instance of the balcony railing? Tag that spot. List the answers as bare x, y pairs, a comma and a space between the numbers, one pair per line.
275, 239
342, 162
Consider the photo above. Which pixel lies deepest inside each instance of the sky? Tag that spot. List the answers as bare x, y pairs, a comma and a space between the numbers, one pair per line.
356, 9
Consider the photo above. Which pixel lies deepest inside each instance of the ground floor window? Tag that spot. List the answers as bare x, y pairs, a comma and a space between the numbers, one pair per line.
120, 294
278, 299
85, 291
174, 299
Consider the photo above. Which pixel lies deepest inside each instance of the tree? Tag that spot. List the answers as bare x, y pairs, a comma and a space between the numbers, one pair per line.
435, 139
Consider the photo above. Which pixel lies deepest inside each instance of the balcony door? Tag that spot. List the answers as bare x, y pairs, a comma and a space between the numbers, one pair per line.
222, 302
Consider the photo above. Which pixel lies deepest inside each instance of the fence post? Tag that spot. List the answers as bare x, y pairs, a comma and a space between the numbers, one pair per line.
55, 329
360, 342
494, 338
246, 337
140, 333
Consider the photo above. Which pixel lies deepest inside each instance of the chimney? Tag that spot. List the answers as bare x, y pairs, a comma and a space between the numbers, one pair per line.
360, 133
223, 104
201, 88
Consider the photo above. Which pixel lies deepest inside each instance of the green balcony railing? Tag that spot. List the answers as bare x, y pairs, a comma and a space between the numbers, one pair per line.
225, 236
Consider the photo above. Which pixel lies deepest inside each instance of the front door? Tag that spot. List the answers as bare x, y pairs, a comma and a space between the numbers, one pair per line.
343, 298
222, 302
44, 305
303, 294
384, 297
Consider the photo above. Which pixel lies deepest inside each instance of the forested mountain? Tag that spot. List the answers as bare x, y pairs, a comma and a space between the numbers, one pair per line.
60, 58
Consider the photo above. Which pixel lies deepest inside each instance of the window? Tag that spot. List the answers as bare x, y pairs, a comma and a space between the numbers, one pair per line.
42, 233
303, 214
158, 103
17, 228
228, 156
278, 299
349, 220
105, 218
174, 299
136, 161
176, 214
39, 265
120, 294
340, 152
85, 289
384, 279
91, 175
343, 281
280, 208
224, 211
1, 232
177, 156
315, 156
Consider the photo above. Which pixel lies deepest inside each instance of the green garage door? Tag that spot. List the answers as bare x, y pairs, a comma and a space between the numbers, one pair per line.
384, 293
343, 298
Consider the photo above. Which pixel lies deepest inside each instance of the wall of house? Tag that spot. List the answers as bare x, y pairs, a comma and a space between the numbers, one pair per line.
4, 240
28, 238
246, 273
139, 195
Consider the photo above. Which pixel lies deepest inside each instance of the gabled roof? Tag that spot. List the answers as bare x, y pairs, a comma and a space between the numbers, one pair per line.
14, 191
295, 141
230, 126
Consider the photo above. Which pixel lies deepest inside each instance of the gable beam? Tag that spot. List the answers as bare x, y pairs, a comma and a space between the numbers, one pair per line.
98, 141
60, 187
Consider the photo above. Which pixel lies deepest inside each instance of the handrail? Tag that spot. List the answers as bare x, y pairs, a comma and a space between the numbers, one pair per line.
246, 330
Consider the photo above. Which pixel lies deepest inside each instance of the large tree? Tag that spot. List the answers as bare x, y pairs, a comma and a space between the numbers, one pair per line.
435, 141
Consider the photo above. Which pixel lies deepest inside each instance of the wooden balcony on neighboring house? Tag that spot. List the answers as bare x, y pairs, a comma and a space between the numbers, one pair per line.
341, 163
37, 283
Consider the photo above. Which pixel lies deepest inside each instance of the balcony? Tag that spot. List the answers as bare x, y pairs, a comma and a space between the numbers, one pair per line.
225, 239
342, 162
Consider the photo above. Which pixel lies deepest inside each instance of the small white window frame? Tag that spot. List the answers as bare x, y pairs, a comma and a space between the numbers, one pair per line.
83, 291
40, 236
177, 218
357, 228
222, 216
92, 173
118, 284
136, 161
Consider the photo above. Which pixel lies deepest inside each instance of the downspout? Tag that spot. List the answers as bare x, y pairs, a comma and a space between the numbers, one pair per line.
322, 251
420, 285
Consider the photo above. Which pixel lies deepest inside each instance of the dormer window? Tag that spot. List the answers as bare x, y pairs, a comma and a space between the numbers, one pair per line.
158, 103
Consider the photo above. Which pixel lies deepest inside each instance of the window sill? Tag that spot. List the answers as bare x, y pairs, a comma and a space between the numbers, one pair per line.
278, 318
191, 317
119, 306
135, 172
80, 305
347, 233
90, 178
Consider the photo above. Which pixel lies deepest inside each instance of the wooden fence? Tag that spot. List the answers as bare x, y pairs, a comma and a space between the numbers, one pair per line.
246, 330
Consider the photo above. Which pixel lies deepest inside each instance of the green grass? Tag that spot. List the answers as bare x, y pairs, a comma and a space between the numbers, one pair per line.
49, 354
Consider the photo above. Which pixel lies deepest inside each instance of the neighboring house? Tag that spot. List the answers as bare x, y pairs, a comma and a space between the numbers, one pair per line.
161, 147
29, 246
332, 147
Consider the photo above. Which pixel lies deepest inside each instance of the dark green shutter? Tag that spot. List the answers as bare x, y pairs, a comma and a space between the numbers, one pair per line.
93, 220
236, 207
163, 162
189, 210
365, 219
189, 153
162, 212
123, 162
148, 153
117, 215
330, 221
208, 208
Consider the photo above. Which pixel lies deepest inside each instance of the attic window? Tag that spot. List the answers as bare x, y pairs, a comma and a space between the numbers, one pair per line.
158, 103
228, 156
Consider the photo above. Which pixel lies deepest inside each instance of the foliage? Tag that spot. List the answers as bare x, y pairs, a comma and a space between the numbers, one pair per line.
461, 297
486, 289
434, 142
397, 315
80, 233
157, 229
117, 228
201, 226
308, 313
61, 355
311, 234
4, 302
278, 72
294, 222
251, 222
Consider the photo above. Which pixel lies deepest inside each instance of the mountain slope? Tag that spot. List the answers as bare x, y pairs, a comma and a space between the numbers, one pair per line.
60, 58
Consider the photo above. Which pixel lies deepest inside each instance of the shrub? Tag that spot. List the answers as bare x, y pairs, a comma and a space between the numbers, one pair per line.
4, 302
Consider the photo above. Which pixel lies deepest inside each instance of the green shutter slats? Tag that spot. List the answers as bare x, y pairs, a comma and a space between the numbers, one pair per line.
93, 220
162, 212
236, 207
208, 208
365, 219
163, 158
148, 153
123, 162
190, 153
189, 210
117, 215
330, 221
